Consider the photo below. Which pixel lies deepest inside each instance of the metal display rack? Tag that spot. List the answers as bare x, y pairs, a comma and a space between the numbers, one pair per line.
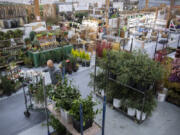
108, 78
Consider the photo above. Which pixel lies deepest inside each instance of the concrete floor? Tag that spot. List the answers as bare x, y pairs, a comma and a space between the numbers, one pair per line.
164, 121
12, 119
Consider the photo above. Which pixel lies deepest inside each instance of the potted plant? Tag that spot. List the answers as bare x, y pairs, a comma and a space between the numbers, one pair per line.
82, 56
57, 126
2, 34
39, 36
64, 96
131, 107
74, 64
44, 35
11, 33
116, 103
18, 33
88, 112
162, 94
149, 106
50, 35
68, 66
27, 41
32, 35
87, 58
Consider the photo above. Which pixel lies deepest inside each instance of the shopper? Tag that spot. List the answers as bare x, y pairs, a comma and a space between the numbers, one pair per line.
55, 73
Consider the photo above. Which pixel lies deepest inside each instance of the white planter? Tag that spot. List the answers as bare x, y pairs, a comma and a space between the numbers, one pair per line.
65, 116
131, 111
116, 103
161, 97
102, 93
138, 115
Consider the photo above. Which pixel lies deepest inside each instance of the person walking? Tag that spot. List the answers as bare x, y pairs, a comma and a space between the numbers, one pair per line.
55, 73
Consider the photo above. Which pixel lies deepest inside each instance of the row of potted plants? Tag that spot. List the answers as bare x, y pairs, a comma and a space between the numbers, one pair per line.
67, 100
6, 36
133, 69
82, 57
44, 35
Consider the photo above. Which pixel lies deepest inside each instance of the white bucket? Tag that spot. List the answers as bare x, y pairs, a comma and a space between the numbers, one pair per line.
102, 93
138, 115
131, 111
116, 103
161, 97
65, 116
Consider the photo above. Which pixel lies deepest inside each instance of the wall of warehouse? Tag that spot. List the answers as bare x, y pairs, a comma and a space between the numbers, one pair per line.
153, 3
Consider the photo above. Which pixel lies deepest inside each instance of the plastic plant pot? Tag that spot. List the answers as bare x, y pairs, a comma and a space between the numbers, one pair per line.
116, 103
102, 93
65, 116
161, 97
138, 115
76, 125
131, 111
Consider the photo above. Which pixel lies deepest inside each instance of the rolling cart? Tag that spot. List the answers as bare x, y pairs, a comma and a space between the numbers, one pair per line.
30, 78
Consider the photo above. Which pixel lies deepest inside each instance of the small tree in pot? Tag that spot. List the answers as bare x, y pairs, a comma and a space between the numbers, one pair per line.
88, 112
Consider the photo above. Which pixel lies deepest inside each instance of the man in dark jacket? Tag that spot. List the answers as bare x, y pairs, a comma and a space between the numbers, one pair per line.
55, 74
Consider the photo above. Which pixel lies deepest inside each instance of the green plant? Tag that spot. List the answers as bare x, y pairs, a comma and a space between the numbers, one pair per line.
7, 85
39, 35
11, 33
32, 35
18, 33
65, 94
44, 33
2, 34
134, 69
38, 91
27, 41
57, 126
87, 106
50, 34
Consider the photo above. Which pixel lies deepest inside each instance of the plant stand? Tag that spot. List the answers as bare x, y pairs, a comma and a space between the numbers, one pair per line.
123, 111
69, 126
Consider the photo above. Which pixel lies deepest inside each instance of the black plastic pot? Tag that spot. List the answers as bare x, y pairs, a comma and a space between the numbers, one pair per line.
112, 75
88, 63
77, 126
83, 63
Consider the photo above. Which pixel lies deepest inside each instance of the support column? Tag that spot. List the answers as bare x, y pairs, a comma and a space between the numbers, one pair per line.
36, 8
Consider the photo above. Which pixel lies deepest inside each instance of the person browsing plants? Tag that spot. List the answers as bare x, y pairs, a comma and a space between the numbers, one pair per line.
55, 73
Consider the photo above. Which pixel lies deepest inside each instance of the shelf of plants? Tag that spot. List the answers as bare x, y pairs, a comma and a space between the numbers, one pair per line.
128, 80
10, 81
11, 47
43, 46
65, 106
171, 79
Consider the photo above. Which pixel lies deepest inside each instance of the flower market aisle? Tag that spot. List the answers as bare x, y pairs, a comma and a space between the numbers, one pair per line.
164, 121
